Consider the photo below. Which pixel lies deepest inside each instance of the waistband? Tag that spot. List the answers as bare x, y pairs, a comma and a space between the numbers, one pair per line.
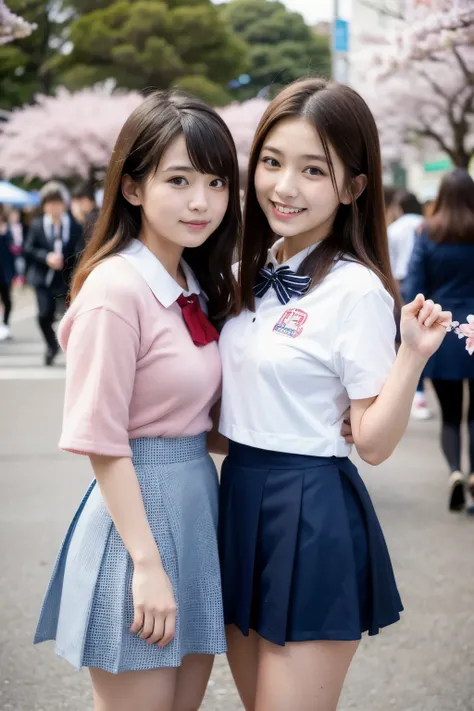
168, 450
256, 458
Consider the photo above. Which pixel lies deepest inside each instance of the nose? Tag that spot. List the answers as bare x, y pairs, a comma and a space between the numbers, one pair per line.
198, 200
286, 186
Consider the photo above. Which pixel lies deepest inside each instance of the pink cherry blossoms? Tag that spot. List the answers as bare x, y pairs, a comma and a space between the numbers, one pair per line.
425, 29
69, 135
465, 330
12, 26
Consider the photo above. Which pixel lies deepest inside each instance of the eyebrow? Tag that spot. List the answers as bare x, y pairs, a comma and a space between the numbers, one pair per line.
179, 168
307, 156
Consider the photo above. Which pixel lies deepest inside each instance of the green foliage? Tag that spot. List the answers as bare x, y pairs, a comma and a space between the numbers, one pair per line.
282, 47
24, 67
152, 43
206, 90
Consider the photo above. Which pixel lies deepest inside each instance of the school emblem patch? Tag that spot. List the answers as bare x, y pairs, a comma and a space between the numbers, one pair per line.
291, 323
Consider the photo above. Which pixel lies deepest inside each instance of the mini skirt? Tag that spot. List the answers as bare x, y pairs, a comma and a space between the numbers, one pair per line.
302, 553
88, 608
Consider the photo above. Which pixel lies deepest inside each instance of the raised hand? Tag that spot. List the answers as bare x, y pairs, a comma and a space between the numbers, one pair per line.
423, 326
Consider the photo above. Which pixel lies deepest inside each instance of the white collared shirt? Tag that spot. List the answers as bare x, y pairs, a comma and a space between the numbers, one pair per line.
290, 372
63, 232
160, 281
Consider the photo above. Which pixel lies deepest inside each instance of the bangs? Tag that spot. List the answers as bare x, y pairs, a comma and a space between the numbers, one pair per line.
209, 144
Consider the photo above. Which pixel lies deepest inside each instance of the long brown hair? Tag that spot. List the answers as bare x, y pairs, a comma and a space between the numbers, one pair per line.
138, 151
343, 120
452, 219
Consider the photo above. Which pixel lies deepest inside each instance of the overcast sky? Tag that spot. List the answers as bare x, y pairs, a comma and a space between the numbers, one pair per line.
316, 10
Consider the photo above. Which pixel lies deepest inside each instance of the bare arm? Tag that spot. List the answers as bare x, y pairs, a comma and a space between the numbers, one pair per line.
154, 604
378, 423
119, 486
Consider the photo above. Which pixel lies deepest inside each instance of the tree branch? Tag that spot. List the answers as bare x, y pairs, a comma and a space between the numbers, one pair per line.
382, 10
428, 132
463, 66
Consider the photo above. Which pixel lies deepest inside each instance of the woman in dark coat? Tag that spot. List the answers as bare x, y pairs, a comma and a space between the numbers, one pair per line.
7, 273
442, 267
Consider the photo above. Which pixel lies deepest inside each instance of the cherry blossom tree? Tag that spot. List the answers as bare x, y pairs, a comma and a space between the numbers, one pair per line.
418, 79
70, 135
426, 27
242, 120
12, 26
428, 106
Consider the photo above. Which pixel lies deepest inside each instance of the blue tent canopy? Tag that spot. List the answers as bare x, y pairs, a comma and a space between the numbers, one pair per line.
12, 195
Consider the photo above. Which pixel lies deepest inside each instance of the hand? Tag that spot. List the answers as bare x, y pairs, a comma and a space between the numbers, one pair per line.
423, 326
154, 604
55, 261
346, 429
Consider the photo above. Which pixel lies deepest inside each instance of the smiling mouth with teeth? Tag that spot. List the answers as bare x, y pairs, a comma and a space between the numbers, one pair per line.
287, 210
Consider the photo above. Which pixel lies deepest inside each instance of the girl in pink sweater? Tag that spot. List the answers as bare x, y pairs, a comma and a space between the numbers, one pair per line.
135, 595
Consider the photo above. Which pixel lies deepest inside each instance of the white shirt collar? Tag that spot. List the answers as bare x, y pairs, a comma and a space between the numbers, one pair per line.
162, 284
65, 225
294, 261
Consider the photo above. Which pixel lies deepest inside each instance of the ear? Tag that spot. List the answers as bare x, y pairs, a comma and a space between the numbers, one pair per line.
354, 189
131, 190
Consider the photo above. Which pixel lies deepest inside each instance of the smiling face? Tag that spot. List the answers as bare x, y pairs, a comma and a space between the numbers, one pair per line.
179, 205
293, 183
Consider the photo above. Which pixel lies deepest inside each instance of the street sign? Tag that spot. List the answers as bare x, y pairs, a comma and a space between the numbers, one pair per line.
436, 165
340, 35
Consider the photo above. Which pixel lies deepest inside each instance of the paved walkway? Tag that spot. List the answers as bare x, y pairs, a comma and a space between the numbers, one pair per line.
425, 663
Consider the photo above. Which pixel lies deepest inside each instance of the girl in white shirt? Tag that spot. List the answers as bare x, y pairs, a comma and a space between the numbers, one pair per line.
304, 563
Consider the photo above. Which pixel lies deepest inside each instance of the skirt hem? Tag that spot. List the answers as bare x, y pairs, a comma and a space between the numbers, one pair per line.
108, 668
309, 635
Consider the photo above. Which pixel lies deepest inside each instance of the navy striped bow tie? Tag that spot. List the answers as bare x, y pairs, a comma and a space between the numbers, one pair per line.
284, 280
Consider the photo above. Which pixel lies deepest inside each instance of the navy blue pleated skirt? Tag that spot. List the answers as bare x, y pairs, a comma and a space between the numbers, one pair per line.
302, 553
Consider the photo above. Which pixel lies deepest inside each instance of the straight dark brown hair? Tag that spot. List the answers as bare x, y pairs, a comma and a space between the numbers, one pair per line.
344, 121
142, 141
452, 220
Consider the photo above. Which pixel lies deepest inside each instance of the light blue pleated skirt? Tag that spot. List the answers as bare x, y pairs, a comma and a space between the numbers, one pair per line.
88, 608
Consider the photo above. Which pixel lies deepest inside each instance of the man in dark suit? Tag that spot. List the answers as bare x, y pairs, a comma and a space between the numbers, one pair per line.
51, 248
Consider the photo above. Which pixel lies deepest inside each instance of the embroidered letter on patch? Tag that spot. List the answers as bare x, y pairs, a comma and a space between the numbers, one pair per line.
291, 323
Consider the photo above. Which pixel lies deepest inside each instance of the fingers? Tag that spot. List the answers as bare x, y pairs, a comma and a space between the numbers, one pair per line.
346, 430
169, 630
138, 620
148, 626
445, 318
158, 629
432, 314
414, 306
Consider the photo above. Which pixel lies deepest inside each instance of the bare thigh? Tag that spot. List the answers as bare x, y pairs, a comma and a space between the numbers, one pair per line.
191, 683
242, 653
150, 690
307, 676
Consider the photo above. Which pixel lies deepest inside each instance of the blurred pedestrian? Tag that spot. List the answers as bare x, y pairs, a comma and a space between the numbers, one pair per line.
83, 202
15, 222
51, 246
7, 273
85, 210
442, 267
389, 192
401, 236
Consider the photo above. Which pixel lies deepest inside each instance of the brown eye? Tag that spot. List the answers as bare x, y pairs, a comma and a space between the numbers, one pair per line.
271, 162
314, 171
179, 181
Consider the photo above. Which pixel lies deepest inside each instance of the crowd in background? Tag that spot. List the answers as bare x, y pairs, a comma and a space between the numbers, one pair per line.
40, 248
432, 252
